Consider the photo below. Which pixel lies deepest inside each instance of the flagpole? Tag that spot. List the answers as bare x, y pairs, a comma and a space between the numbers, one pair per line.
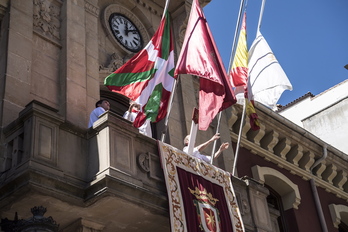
239, 138
244, 106
233, 51
165, 7
214, 146
260, 16
168, 111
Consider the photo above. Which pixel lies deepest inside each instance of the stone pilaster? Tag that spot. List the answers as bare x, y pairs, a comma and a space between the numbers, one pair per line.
259, 206
92, 63
16, 83
73, 94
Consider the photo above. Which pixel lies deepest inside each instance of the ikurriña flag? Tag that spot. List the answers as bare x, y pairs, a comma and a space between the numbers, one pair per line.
199, 56
267, 80
148, 77
239, 76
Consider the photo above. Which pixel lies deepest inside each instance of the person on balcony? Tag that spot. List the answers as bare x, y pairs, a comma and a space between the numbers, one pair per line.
132, 113
200, 148
100, 107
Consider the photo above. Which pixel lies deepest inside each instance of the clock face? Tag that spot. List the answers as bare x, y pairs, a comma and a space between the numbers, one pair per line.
125, 32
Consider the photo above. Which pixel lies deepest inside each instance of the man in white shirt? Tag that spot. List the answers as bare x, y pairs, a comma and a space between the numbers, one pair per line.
100, 107
132, 113
198, 149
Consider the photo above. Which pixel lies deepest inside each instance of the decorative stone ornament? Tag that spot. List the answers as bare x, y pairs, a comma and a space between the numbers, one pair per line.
46, 19
37, 223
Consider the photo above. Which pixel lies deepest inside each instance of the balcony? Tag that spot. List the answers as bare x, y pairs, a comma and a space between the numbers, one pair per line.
107, 178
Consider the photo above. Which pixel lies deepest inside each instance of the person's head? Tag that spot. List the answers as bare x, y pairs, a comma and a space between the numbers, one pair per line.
187, 140
105, 104
134, 105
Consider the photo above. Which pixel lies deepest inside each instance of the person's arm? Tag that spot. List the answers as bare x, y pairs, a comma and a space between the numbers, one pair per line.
201, 147
128, 113
223, 147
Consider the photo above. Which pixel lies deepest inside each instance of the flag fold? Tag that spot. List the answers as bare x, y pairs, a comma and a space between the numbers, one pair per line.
199, 56
267, 80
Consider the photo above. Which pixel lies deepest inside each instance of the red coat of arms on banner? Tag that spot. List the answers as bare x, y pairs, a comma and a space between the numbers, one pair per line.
201, 196
208, 215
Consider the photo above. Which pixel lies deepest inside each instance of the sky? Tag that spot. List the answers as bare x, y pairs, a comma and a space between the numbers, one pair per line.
308, 37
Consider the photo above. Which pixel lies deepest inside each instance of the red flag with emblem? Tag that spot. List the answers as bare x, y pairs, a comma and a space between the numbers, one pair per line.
199, 56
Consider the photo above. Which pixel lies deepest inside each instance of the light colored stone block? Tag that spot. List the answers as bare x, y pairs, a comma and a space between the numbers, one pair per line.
45, 89
10, 112
17, 91
19, 68
24, 23
92, 66
20, 45
92, 87
76, 54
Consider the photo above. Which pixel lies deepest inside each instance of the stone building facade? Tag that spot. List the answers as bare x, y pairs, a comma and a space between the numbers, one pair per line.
54, 56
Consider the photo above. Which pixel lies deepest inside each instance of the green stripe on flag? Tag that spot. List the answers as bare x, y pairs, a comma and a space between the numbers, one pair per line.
166, 39
123, 79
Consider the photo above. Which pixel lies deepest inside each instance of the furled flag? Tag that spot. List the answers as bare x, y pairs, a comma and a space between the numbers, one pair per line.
239, 76
199, 56
239, 69
148, 77
267, 80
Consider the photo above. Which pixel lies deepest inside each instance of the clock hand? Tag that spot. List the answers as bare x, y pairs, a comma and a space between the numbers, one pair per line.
126, 30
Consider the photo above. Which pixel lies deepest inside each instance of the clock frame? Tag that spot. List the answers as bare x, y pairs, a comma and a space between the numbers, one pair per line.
117, 9
126, 32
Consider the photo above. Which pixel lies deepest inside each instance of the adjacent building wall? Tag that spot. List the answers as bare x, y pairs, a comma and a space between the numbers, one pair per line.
324, 115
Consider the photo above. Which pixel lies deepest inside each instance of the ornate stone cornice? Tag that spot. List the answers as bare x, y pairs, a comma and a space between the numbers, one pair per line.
292, 148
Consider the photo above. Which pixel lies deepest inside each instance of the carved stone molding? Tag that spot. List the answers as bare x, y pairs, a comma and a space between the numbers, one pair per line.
338, 213
46, 19
115, 62
94, 10
36, 223
143, 161
150, 7
292, 149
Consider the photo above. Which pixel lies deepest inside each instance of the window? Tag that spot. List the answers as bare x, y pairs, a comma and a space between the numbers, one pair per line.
276, 208
342, 227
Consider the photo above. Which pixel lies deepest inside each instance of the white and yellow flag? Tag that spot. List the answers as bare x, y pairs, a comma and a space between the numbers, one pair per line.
267, 80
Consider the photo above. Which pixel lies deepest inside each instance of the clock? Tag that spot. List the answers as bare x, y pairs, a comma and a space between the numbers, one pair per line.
125, 32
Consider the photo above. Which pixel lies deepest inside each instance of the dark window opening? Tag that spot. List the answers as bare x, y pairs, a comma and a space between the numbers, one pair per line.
342, 227
274, 201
